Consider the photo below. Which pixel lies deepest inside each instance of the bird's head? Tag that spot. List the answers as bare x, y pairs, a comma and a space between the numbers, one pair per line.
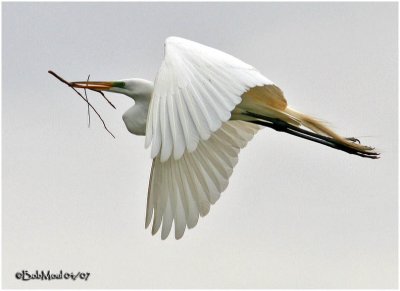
135, 88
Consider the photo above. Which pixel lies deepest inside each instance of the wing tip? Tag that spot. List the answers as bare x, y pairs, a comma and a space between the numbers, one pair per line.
147, 223
179, 233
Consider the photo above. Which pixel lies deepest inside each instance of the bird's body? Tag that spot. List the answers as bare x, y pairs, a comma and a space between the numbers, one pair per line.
203, 107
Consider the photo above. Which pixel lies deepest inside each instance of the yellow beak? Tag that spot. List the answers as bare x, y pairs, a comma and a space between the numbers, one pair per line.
99, 86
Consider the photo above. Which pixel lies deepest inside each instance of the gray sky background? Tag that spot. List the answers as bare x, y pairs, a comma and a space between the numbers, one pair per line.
295, 215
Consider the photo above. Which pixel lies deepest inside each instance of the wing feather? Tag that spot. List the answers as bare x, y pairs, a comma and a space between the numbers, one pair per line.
192, 210
160, 198
181, 190
176, 128
201, 86
199, 197
156, 128
194, 145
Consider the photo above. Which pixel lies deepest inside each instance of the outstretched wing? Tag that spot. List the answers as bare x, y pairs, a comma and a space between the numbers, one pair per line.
195, 91
181, 190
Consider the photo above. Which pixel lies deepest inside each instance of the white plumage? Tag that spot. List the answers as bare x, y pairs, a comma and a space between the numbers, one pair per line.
183, 189
196, 89
204, 106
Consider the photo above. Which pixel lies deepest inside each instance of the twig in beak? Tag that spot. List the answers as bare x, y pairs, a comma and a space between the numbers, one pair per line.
90, 105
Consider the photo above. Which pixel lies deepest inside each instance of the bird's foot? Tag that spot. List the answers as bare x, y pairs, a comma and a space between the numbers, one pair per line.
353, 139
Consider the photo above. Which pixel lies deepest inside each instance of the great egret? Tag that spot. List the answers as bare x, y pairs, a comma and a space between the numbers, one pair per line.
204, 106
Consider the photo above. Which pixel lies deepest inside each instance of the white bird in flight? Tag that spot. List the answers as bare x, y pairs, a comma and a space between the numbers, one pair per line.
203, 107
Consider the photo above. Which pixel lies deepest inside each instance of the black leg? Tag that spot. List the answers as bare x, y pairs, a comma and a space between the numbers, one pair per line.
283, 126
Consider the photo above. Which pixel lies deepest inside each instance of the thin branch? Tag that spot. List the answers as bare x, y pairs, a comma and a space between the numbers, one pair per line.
69, 84
104, 96
101, 93
87, 99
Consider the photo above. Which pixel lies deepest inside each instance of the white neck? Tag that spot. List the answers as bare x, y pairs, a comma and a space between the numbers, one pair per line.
135, 118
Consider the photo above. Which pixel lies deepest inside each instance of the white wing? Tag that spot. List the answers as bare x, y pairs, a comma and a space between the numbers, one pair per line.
181, 190
195, 91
